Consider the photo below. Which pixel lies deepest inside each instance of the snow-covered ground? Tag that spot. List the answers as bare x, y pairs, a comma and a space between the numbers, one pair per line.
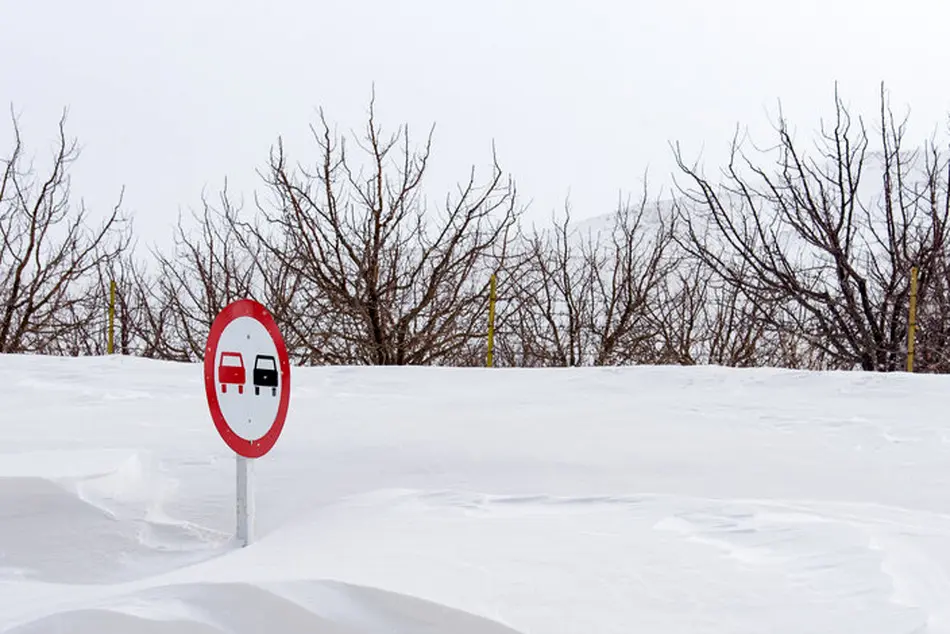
422, 500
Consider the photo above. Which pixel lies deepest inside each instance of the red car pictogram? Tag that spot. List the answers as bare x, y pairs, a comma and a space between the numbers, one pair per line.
231, 371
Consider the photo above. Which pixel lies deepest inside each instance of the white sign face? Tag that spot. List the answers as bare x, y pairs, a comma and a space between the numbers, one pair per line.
247, 376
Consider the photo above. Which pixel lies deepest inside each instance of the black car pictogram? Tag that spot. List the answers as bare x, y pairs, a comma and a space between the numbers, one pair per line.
265, 374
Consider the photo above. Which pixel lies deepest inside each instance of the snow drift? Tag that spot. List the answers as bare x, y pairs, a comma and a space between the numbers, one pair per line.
424, 500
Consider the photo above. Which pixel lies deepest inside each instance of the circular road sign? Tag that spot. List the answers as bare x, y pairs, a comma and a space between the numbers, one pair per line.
247, 378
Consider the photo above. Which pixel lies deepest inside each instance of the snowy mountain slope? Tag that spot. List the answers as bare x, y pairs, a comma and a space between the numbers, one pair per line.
479, 501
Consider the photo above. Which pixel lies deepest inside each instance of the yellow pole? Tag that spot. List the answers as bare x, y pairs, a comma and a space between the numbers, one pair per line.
912, 321
111, 346
491, 322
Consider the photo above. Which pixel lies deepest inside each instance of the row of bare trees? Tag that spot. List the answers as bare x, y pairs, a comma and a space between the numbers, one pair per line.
796, 256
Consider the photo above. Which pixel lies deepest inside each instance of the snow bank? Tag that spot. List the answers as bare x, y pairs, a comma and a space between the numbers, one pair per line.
478, 501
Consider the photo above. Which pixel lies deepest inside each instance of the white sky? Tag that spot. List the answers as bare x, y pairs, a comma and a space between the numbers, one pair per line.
171, 96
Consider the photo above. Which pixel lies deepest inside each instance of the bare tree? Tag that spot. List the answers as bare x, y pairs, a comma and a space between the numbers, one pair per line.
586, 299
552, 296
627, 276
702, 322
49, 254
379, 277
802, 238
208, 269
272, 282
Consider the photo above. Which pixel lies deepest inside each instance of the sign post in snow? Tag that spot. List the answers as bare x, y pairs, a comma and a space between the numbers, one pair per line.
247, 382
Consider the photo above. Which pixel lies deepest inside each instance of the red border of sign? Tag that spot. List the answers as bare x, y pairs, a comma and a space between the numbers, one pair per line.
246, 308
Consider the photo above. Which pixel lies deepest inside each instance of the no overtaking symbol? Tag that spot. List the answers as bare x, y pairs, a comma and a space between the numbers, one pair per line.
245, 343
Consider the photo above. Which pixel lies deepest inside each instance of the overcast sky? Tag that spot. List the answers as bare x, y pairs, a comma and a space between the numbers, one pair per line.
171, 96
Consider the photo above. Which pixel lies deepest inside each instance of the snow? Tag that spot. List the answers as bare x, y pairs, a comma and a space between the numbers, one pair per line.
473, 501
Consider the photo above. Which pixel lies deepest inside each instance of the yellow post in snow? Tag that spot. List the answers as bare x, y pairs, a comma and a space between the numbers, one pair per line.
491, 322
111, 345
912, 320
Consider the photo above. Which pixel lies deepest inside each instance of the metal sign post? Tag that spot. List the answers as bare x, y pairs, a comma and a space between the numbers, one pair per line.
245, 501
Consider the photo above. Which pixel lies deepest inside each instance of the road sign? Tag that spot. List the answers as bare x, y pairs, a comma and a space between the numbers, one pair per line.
247, 378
